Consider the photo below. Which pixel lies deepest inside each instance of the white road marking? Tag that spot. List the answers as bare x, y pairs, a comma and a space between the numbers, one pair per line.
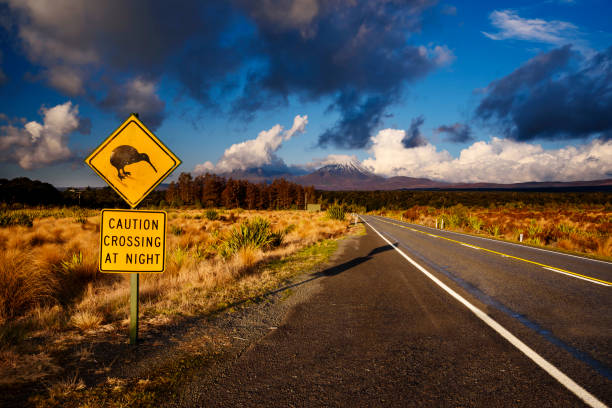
574, 276
471, 246
553, 371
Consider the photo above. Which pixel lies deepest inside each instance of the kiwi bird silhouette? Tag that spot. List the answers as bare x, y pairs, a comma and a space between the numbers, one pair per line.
124, 155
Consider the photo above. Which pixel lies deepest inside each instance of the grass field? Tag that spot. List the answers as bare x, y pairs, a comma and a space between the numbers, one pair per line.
584, 229
51, 290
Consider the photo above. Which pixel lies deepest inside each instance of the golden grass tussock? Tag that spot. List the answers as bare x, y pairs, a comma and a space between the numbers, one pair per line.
86, 319
23, 284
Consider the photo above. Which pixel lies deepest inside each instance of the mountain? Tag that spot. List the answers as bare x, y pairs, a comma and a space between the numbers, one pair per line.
347, 175
352, 175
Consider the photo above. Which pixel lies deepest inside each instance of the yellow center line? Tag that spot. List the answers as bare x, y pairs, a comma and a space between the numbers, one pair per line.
595, 280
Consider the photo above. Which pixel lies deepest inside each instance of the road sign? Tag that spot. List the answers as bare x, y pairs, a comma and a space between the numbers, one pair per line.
132, 161
132, 241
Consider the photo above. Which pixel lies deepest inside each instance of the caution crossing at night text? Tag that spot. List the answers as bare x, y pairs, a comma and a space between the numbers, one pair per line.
132, 241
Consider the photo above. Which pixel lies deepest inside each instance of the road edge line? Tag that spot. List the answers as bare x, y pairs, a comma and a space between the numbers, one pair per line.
553, 371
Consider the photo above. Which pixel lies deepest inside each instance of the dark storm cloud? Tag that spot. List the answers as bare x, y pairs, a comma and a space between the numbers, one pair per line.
253, 54
136, 96
349, 51
115, 43
3, 77
414, 137
359, 118
457, 133
554, 95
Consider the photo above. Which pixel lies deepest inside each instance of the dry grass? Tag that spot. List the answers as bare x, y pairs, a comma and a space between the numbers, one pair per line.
50, 288
86, 320
66, 387
23, 284
586, 229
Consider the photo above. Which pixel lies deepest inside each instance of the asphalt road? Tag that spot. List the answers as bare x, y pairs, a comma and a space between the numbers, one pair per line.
380, 332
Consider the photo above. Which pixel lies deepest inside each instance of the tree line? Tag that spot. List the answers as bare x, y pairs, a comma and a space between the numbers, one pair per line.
211, 190
403, 199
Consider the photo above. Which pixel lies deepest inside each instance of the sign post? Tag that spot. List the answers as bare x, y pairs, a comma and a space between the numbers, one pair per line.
134, 278
133, 162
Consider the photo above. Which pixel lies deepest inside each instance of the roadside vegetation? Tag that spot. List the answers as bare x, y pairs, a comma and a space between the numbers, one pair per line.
52, 293
585, 228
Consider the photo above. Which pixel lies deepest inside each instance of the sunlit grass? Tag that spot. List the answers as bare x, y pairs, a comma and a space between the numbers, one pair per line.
51, 289
586, 229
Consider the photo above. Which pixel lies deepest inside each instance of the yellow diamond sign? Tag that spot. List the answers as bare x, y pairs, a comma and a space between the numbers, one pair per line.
133, 161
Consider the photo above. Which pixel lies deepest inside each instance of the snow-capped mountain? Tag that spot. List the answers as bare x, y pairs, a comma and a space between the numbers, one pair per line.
346, 174
349, 167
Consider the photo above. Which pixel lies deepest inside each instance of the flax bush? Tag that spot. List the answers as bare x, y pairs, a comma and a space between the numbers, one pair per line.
336, 212
211, 215
255, 233
15, 218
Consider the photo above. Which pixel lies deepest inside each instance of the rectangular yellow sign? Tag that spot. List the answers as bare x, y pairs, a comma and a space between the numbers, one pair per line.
132, 241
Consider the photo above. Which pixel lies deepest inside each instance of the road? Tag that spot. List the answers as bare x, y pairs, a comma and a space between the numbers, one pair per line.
408, 316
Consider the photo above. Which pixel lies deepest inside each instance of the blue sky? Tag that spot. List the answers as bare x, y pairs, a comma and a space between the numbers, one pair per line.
505, 91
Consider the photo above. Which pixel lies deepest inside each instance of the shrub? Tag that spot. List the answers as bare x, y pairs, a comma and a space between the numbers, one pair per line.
411, 214
475, 223
254, 233
494, 230
211, 215
7, 219
80, 218
336, 212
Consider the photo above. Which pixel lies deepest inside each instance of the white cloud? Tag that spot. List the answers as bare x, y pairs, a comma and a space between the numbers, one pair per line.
443, 55
440, 54
255, 152
206, 167
391, 158
36, 144
512, 26
497, 161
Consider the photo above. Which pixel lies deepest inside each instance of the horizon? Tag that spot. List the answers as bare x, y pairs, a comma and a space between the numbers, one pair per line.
486, 92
